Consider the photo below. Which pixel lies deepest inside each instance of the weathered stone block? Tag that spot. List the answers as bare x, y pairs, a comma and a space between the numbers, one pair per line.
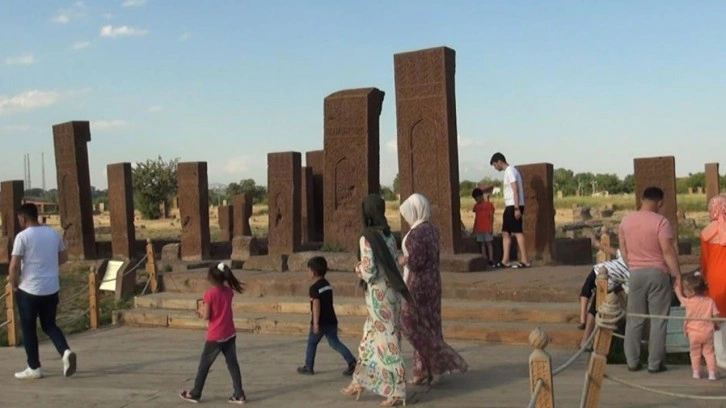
225, 216
267, 263
428, 158
283, 179
121, 210
352, 144
245, 247
658, 172
194, 210
171, 252
713, 182
577, 251
74, 188
315, 160
539, 210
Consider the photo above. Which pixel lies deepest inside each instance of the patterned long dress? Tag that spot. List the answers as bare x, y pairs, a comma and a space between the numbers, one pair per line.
380, 367
421, 322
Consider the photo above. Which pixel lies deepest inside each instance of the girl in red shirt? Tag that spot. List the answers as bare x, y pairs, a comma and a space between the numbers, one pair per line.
216, 307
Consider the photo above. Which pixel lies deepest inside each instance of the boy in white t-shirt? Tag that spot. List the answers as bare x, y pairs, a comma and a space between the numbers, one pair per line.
514, 209
38, 251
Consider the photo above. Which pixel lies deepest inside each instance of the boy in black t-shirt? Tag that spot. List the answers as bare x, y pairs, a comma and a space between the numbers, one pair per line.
323, 322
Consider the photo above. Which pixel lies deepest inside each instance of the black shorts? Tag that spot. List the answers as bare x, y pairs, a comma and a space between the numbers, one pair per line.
510, 223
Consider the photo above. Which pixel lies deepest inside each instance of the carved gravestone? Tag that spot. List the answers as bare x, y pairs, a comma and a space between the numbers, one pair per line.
352, 171
241, 213
428, 159
74, 188
121, 209
283, 180
194, 210
315, 161
11, 197
713, 183
306, 203
658, 172
225, 216
539, 210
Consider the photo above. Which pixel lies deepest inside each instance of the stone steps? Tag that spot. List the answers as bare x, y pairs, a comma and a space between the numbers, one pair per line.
513, 333
534, 313
535, 286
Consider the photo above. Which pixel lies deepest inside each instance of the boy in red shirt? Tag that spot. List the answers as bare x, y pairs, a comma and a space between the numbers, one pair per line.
484, 221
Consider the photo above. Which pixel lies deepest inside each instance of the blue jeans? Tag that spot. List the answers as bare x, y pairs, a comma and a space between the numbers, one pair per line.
30, 308
331, 333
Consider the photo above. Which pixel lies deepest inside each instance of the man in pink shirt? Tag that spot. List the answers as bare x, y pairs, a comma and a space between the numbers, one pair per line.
648, 247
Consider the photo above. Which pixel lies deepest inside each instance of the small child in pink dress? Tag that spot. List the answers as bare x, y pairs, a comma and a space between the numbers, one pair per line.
699, 332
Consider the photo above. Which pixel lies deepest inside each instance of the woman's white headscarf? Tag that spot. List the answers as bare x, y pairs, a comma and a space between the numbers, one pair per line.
415, 210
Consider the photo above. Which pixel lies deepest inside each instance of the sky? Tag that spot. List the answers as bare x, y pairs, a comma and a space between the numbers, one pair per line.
585, 85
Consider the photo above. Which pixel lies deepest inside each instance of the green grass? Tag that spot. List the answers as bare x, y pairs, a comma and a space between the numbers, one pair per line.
686, 202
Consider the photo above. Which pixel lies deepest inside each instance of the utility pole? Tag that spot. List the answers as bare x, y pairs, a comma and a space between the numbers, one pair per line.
30, 186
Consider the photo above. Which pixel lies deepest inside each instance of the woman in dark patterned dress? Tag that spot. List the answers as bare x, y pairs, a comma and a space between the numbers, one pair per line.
421, 320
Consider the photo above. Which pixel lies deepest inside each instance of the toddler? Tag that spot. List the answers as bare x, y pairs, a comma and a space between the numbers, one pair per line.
699, 332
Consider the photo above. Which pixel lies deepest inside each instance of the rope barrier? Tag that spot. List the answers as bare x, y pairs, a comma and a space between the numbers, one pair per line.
138, 264
3, 296
574, 357
535, 393
74, 296
80, 315
5, 323
702, 319
666, 393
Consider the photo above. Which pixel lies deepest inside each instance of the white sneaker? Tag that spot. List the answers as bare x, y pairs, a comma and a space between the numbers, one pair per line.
696, 375
712, 376
29, 374
69, 363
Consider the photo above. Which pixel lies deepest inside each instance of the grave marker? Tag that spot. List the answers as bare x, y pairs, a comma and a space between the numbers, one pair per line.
194, 210
121, 209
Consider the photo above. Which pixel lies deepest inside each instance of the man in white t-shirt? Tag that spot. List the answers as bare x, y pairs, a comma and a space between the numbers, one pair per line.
514, 208
38, 251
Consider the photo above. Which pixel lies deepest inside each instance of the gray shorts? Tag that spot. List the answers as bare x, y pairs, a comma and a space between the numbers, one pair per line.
483, 237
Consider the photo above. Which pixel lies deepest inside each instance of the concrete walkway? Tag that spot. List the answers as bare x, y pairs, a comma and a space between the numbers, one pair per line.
133, 367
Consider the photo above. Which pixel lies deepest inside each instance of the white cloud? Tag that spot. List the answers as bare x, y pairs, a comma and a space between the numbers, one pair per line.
185, 36
79, 45
241, 164
27, 100
108, 124
25, 59
66, 15
133, 3
466, 142
392, 145
155, 108
122, 31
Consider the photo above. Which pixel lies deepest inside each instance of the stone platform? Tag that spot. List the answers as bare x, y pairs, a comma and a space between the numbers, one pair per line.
147, 368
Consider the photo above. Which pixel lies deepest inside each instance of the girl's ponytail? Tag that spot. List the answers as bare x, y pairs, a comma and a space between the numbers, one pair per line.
229, 277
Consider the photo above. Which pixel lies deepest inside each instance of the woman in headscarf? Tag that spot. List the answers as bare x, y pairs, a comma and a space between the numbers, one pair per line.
713, 265
421, 320
380, 368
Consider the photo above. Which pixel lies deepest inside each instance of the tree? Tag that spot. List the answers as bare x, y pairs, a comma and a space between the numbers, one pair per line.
564, 180
396, 185
629, 184
608, 182
388, 193
258, 193
154, 183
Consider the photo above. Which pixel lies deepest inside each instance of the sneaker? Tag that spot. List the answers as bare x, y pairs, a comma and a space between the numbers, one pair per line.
187, 396
661, 369
712, 376
696, 375
350, 370
637, 367
237, 400
69, 363
29, 374
305, 370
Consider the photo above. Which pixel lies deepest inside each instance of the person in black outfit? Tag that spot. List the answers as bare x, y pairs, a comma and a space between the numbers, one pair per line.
324, 323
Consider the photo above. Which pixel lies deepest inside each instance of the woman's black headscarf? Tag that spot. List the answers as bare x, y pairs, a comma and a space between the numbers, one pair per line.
375, 223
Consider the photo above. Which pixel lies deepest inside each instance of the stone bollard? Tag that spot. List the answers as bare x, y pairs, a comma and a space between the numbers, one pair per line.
151, 267
13, 337
601, 286
540, 368
607, 318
